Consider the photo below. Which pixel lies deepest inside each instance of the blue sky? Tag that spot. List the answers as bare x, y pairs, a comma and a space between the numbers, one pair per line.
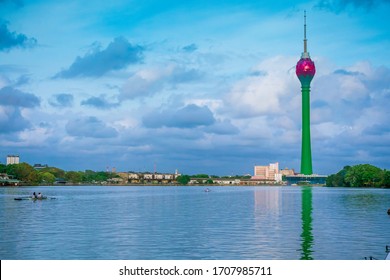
198, 86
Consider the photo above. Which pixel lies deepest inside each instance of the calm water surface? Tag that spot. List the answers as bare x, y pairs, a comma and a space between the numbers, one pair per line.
187, 223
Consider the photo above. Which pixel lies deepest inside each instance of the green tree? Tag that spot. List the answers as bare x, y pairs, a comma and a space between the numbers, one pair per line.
21, 171
102, 176
209, 182
88, 176
33, 178
338, 179
74, 177
57, 172
364, 175
3, 168
385, 179
200, 176
47, 178
183, 179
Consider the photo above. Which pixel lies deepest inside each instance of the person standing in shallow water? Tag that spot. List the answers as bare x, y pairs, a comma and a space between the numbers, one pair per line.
34, 195
39, 196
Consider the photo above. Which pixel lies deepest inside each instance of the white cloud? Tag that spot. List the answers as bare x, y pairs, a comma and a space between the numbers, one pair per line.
90, 127
143, 83
38, 136
149, 81
327, 130
352, 88
263, 94
3, 81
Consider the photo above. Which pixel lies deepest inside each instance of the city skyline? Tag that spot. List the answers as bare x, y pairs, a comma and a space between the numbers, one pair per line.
203, 87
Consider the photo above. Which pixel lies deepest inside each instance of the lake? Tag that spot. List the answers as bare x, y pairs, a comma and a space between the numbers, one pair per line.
243, 223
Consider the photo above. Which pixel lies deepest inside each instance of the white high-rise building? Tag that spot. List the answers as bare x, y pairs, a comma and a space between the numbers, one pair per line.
12, 159
268, 172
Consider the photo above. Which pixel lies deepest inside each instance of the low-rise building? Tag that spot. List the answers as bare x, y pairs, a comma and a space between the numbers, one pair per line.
301, 179
287, 172
5, 180
146, 177
39, 166
215, 181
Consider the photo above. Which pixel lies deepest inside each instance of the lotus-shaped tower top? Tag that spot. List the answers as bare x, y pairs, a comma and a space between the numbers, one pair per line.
305, 68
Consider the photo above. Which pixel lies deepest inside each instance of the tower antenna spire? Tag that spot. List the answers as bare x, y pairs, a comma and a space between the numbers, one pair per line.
305, 54
304, 34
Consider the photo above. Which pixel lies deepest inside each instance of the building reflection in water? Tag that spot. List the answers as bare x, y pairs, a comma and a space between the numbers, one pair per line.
269, 199
306, 215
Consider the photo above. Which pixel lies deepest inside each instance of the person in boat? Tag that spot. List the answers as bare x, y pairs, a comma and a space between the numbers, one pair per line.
34, 195
39, 196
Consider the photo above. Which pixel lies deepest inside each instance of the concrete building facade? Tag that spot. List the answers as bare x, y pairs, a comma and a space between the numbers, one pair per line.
13, 159
267, 172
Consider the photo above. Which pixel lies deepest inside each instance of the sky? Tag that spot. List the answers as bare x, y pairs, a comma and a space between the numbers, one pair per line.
197, 86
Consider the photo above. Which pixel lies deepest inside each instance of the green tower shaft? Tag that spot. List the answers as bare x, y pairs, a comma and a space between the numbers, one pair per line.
305, 71
306, 161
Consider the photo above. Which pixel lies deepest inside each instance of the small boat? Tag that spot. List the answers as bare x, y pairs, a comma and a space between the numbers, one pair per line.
387, 258
33, 198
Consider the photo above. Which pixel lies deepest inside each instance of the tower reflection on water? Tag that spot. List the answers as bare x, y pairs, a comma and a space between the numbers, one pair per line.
287, 213
306, 215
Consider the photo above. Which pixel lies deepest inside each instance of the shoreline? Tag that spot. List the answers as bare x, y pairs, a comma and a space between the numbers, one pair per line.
158, 185
141, 185
184, 186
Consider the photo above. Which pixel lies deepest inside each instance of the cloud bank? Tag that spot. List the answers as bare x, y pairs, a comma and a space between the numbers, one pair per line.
11, 120
13, 97
100, 102
149, 81
90, 127
189, 116
61, 100
12, 102
10, 40
118, 55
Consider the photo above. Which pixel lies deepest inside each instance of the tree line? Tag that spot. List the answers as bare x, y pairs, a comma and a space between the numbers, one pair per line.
27, 174
362, 175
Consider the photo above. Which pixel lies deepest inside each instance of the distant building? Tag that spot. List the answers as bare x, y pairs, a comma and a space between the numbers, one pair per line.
5, 180
268, 172
12, 159
215, 181
147, 177
39, 166
287, 172
301, 179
